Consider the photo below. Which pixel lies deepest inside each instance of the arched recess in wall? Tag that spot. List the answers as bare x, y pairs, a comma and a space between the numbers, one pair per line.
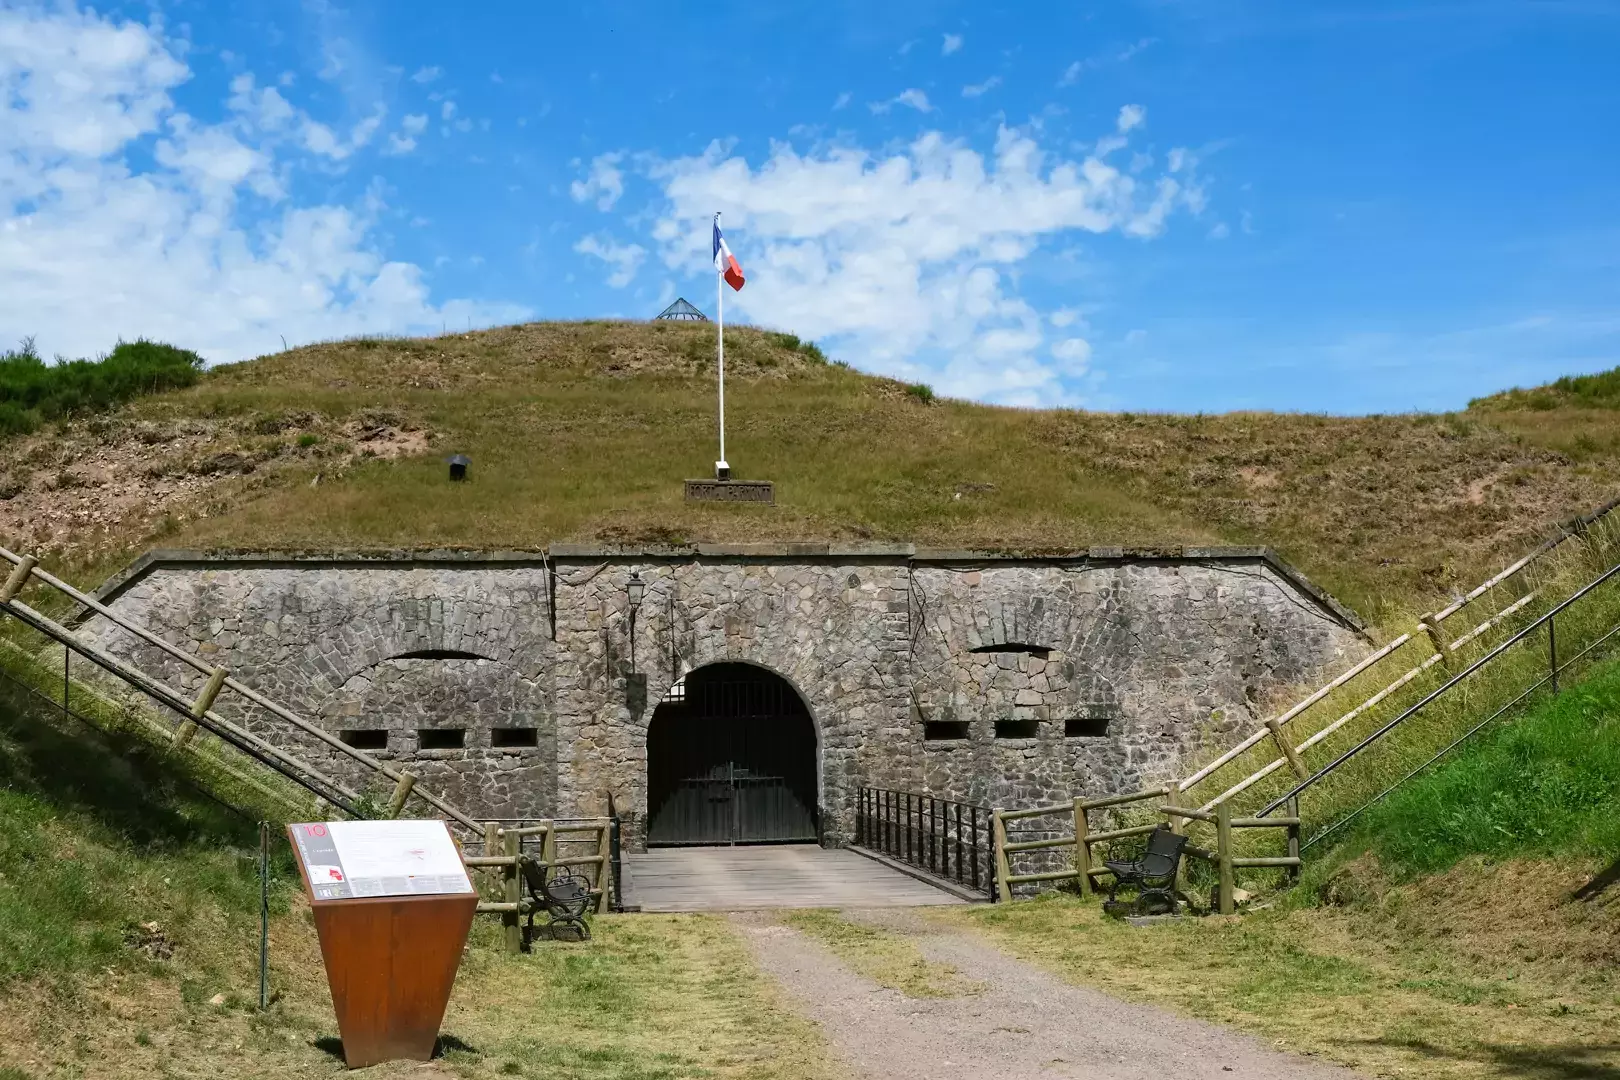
731, 759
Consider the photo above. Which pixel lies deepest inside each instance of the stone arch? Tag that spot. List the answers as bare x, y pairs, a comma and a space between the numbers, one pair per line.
440, 625
734, 757
804, 698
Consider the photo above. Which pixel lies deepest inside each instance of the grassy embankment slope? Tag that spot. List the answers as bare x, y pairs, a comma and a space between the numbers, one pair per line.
129, 907
1469, 926
584, 432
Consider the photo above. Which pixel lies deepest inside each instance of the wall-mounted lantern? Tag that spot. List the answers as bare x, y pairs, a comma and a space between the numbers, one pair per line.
635, 683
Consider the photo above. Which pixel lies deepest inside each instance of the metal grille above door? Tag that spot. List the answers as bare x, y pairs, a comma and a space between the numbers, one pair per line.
732, 763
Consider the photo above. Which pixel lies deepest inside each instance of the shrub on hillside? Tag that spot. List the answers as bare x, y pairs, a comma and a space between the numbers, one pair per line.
32, 391
1597, 391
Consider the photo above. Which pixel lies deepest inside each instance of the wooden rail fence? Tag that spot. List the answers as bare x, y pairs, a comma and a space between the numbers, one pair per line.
200, 713
1081, 841
504, 869
1437, 647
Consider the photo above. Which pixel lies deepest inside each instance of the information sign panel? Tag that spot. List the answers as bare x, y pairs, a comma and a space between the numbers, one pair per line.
346, 860
392, 906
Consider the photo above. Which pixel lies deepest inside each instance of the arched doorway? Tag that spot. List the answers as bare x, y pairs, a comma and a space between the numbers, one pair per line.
731, 759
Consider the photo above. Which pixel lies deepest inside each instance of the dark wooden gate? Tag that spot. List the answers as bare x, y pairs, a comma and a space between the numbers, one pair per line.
732, 760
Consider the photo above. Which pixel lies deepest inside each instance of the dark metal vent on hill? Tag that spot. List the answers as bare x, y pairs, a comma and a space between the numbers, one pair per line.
682, 311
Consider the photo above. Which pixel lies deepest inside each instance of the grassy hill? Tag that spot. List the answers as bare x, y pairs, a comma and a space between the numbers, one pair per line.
584, 432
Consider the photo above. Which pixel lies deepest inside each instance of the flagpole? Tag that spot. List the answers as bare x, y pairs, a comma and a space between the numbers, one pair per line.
722, 470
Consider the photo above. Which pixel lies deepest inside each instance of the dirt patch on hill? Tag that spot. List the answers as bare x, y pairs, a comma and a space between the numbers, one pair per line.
83, 492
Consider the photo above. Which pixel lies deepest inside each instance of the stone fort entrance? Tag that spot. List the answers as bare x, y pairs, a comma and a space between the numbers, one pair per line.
731, 759
745, 694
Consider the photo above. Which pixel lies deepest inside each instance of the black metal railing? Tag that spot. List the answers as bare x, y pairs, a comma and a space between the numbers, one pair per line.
948, 839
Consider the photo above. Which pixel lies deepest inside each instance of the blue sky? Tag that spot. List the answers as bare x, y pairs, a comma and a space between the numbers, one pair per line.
1171, 204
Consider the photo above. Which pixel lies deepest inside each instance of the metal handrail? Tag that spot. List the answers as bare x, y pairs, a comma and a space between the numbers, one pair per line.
1417, 706
949, 839
1550, 677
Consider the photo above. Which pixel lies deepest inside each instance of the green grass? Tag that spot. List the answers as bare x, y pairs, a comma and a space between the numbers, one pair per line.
1486, 972
1598, 391
99, 834
887, 958
584, 432
1547, 783
129, 900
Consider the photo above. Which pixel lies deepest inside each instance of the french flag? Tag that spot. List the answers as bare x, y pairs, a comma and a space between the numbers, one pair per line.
725, 263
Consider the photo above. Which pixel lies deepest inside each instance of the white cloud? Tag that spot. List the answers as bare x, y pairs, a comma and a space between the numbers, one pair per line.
447, 110
1131, 50
951, 43
404, 140
1219, 231
123, 216
907, 261
980, 89
1065, 317
624, 259
1074, 354
1131, 117
912, 98
362, 132
842, 100
425, 75
1072, 73
266, 115
604, 183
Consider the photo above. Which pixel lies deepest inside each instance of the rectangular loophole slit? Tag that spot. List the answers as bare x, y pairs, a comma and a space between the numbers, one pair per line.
514, 736
441, 738
944, 730
365, 738
1085, 727
1017, 729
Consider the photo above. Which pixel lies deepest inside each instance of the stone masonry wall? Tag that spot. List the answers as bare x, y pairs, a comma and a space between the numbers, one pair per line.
998, 681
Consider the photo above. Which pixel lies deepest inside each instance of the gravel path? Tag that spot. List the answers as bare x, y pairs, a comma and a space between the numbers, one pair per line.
1025, 1024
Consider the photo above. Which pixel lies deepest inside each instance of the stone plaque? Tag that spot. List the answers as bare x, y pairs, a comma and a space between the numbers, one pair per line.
755, 491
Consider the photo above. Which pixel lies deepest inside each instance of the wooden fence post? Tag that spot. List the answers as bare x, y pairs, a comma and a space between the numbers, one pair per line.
1178, 825
1293, 838
188, 727
19, 577
402, 791
1082, 849
513, 892
604, 874
1286, 745
1223, 854
998, 838
1437, 638
548, 846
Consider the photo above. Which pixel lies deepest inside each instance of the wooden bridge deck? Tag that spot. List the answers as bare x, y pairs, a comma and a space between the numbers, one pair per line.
768, 876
